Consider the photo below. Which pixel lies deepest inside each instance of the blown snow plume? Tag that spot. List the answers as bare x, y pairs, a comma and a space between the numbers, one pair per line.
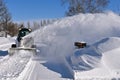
57, 39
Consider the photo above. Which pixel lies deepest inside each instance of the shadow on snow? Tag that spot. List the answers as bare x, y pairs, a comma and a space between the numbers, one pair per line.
59, 68
3, 53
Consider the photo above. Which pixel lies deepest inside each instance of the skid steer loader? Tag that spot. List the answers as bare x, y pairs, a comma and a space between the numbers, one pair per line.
23, 43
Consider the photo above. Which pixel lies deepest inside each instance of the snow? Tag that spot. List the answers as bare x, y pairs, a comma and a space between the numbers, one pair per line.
86, 59
102, 64
5, 43
108, 44
57, 39
12, 66
41, 72
57, 58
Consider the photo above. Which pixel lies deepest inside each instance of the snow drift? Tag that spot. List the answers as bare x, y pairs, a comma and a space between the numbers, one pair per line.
5, 43
98, 62
57, 40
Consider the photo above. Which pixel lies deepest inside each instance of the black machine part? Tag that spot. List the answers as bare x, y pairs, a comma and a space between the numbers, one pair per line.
13, 46
23, 32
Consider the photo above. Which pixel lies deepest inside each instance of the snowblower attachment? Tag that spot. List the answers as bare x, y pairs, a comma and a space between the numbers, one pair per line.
12, 51
24, 44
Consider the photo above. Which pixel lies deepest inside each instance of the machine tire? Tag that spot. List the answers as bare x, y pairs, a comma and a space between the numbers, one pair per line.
13, 46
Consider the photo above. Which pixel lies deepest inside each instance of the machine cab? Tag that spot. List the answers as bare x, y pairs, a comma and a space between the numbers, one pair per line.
23, 32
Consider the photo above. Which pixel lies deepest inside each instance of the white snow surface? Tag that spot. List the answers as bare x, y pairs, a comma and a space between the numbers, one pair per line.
11, 66
99, 31
57, 58
98, 61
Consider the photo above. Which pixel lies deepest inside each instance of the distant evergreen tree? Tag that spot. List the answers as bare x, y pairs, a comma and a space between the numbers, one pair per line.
28, 24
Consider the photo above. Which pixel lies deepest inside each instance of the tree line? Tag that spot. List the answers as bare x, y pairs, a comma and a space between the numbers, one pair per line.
34, 25
73, 7
6, 23
11, 28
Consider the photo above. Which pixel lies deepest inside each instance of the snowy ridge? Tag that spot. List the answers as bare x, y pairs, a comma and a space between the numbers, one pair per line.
13, 66
86, 59
98, 65
108, 44
25, 75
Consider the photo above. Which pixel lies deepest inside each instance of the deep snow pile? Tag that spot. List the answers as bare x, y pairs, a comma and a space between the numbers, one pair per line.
86, 59
100, 60
56, 41
110, 50
90, 57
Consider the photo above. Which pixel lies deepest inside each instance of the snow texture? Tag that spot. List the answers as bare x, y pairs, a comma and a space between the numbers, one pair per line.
57, 57
58, 41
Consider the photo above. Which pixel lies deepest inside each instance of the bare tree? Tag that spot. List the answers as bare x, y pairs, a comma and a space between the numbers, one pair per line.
12, 28
85, 6
5, 16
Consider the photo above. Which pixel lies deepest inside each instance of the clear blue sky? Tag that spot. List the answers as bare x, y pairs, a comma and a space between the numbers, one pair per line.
42, 9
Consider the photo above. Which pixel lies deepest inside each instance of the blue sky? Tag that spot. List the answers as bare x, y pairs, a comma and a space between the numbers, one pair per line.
42, 9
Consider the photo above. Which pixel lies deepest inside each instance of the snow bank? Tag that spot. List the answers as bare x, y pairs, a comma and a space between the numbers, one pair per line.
110, 50
86, 59
108, 44
99, 61
56, 42
12, 66
5, 42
